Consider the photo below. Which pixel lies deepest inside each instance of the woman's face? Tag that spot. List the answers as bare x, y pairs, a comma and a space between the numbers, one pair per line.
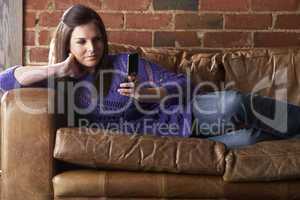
86, 45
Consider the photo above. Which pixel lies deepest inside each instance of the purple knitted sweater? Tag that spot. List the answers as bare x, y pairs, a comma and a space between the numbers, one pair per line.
122, 113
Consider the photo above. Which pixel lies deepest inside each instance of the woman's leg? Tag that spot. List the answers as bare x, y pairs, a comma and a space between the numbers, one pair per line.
276, 117
232, 109
219, 114
242, 138
214, 113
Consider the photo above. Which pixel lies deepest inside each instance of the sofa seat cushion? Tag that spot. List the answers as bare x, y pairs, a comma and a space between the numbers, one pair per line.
101, 149
93, 183
265, 161
117, 185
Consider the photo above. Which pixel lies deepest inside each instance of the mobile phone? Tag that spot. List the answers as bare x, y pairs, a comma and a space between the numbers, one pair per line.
133, 64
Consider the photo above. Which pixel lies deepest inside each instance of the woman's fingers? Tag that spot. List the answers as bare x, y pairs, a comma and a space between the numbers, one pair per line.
74, 69
126, 91
69, 67
70, 59
131, 78
68, 62
127, 85
129, 88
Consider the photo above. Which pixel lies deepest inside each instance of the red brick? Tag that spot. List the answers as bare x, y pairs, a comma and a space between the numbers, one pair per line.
248, 21
175, 4
126, 5
227, 39
37, 5
131, 37
288, 22
64, 4
178, 39
112, 20
148, 21
275, 5
224, 5
50, 19
30, 19
38, 54
276, 39
194, 21
29, 38
45, 37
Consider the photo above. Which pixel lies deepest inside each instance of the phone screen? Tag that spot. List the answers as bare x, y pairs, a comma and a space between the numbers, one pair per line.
133, 64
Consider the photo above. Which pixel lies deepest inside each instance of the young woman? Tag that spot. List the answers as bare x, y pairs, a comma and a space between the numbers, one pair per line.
104, 96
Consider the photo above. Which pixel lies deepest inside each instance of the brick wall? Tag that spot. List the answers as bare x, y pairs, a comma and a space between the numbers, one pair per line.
205, 24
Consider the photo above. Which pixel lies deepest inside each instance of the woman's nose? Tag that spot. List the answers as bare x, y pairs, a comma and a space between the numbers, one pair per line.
90, 46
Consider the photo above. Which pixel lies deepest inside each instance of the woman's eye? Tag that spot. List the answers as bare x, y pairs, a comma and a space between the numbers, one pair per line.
98, 39
80, 42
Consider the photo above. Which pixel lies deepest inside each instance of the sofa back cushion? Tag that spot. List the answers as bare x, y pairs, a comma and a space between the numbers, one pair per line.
267, 72
274, 73
103, 149
167, 58
202, 66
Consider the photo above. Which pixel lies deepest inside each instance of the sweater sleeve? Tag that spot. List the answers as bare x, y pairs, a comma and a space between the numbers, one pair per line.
175, 83
8, 80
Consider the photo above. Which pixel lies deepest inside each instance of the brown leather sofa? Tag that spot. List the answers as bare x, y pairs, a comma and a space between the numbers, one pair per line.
116, 166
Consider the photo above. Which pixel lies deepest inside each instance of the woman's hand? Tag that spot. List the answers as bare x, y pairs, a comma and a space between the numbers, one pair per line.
69, 67
132, 89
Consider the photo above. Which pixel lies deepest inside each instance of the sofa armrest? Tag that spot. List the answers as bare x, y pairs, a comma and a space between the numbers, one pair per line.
28, 128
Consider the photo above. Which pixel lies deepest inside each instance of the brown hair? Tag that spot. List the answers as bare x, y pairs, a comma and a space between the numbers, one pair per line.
78, 15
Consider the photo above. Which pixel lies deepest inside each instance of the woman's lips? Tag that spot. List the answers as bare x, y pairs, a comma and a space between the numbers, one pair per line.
91, 57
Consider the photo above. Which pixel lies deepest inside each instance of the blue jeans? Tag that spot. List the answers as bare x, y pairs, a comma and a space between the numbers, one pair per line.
238, 119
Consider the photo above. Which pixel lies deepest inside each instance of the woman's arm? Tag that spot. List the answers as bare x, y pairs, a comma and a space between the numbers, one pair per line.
168, 85
29, 75
142, 94
26, 76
